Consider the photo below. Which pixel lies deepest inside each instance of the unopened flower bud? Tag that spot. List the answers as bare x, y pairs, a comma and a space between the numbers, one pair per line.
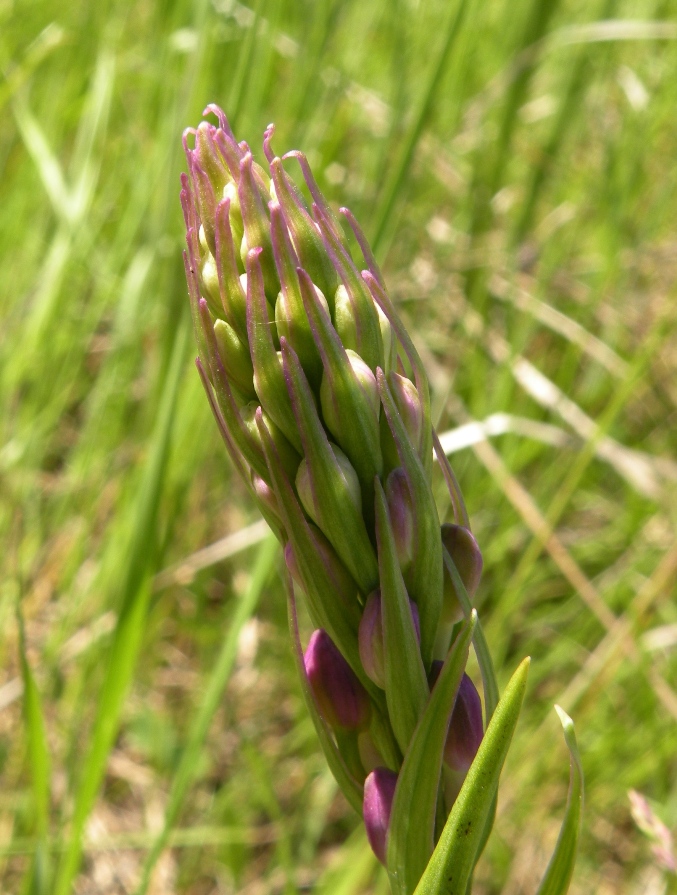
266, 499
304, 485
465, 728
209, 157
379, 792
256, 226
340, 696
401, 514
370, 638
408, 405
467, 557
235, 358
366, 380
288, 456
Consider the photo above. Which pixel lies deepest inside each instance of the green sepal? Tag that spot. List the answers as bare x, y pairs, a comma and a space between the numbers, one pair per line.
228, 405
382, 299
339, 518
205, 200
411, 835
350, 787
367, 330
425, 575
453, 860
359, 437
269, 379
190, 263
405, 677
338, 617
307, 241
235, 358
289, 457
561, 867
256, 227
210, 158
290, 315
232, 294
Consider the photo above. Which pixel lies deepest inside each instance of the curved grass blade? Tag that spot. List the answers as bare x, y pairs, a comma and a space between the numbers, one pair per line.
412, 820
561, 867
189, 762
454, 858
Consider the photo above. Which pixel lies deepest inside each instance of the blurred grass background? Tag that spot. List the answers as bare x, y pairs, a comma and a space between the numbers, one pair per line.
514, 164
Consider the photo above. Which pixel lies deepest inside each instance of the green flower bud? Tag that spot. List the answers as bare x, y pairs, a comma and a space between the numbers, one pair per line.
256, 227
232, 296
269, 380
345, 480
290, 316
289, 457
209, 157
235, 358
307, 241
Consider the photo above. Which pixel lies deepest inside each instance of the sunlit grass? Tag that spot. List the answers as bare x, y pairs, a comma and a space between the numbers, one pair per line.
515, 165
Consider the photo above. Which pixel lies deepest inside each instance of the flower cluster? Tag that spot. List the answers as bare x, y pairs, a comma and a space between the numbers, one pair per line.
324, 408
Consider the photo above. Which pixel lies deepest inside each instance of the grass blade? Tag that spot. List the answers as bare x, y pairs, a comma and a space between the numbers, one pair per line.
185, 772
136, 591
561, 867
37, 881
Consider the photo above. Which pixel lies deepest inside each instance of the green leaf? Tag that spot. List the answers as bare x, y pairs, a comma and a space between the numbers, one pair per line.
412, 820
406, 683
189, 761
561, 867
454, 857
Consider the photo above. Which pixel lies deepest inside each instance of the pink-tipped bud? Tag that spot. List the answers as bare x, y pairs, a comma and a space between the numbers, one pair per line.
379, 792
401, 513
467, 557
465, 728
341, 698
266, 496
370, 638
406, 398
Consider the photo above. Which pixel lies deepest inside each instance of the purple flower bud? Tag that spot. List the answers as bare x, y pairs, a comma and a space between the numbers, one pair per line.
401, 513
465, 728
467, 557
340, 696
379, 792
370, 638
